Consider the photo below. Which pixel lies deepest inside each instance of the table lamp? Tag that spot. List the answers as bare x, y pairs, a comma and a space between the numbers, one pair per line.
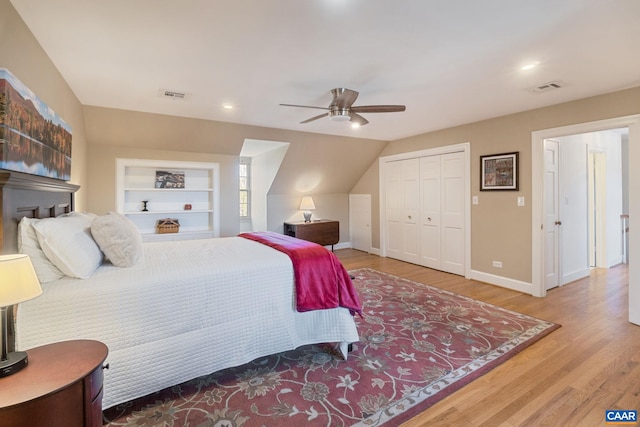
307, 205
18, 283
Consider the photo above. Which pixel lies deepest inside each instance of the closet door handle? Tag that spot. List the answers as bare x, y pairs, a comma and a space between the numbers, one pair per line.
558, 222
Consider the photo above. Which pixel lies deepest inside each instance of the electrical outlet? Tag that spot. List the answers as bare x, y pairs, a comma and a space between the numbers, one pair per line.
474, 200
497, 264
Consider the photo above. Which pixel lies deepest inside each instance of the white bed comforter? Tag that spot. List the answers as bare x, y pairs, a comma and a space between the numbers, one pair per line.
187, 309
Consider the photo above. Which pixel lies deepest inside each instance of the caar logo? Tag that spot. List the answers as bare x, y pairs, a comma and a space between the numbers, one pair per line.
621, 416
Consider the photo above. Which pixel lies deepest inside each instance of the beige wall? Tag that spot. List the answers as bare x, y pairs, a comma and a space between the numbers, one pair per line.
500, 230
102, 175
318, 163
328, 206
323, 166
21, 54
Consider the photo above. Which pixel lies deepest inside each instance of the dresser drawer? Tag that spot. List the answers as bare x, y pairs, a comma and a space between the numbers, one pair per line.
94, 383
323, 232
94, 416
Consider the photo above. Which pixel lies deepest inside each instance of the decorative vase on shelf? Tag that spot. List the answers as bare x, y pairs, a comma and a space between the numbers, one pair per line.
144, 206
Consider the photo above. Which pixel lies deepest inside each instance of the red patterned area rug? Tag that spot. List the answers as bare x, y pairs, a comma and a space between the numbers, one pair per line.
418, 344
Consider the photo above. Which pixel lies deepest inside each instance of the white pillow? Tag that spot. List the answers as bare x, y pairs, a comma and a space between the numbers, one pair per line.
119, 239
68, 244
28, 244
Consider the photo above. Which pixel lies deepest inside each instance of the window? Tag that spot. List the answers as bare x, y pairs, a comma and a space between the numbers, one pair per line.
245, 187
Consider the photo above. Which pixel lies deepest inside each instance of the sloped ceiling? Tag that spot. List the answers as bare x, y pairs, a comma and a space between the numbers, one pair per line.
449, 62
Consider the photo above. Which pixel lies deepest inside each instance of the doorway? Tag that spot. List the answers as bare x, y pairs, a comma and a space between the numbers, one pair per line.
583, 201
537, 224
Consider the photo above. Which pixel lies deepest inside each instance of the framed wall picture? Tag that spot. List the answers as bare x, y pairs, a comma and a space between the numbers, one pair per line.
169, 179
499, 172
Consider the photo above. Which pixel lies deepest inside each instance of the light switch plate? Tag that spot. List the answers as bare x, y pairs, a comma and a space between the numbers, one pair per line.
520, 201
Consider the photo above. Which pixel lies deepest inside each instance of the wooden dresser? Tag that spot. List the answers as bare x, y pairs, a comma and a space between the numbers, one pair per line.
323, 231
61, 386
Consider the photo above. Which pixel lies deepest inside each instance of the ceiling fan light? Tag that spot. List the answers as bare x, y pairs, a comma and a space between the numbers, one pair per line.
340, 115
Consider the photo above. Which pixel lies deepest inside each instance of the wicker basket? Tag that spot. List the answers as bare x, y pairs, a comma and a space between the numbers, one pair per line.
167, 225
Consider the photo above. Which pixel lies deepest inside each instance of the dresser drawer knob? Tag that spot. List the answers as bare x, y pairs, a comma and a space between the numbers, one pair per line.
105, 366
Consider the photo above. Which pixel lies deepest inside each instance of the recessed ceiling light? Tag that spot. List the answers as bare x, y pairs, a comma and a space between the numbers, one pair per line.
530, 66
227, 107
355, 125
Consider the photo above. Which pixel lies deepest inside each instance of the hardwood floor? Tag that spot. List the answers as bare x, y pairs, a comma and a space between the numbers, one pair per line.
569, 378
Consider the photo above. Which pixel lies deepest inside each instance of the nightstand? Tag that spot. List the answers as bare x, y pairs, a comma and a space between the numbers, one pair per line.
61, 386
322, 231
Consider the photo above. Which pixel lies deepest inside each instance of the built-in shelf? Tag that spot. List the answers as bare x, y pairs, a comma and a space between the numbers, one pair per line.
136, 181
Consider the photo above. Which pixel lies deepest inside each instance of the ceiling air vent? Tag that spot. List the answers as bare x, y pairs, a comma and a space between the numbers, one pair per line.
172, 94
548, 87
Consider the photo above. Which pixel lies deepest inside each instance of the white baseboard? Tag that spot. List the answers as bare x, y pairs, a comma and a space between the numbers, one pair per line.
341, 245
492, 279
347, 245
576, 275
504, 282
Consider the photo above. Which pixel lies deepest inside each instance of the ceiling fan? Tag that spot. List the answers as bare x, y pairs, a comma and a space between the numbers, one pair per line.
342, 109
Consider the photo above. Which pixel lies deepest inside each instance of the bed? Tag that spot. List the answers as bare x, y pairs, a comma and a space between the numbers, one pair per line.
182, 310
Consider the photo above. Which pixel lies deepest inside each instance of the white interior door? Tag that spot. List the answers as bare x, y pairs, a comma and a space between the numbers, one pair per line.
360, 221
551, 225
430, 225
402, 197
453, 213
597, 217
442, 212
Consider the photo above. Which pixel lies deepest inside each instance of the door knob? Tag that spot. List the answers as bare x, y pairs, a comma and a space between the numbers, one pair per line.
558, 222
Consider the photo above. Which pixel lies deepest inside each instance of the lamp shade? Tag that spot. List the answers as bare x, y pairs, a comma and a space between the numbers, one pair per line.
18, 280
307, 203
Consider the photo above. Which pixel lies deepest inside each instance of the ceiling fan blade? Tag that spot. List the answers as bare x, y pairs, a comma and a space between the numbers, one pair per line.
315, 118
358, 119
304, 106
378, 108
343, 98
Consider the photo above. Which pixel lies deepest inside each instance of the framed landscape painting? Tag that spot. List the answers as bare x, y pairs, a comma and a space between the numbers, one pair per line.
33, 138
499, 172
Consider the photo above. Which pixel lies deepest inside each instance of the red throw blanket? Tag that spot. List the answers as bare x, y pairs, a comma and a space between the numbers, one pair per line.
321, 280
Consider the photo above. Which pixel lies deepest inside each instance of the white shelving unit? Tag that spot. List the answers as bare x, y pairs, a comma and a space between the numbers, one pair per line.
136, 182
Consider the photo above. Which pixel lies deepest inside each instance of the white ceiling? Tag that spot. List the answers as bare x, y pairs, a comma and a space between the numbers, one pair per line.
450, 62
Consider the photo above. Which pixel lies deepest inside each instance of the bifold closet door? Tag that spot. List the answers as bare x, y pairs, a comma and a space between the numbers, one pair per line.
425, 211
430, 221
442, 212
452, 213
402, 195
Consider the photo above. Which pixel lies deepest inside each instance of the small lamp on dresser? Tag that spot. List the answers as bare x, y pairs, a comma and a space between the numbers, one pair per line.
18, 283
307, 206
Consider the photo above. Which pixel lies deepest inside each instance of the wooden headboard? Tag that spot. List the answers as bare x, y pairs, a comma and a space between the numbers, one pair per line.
33, 196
